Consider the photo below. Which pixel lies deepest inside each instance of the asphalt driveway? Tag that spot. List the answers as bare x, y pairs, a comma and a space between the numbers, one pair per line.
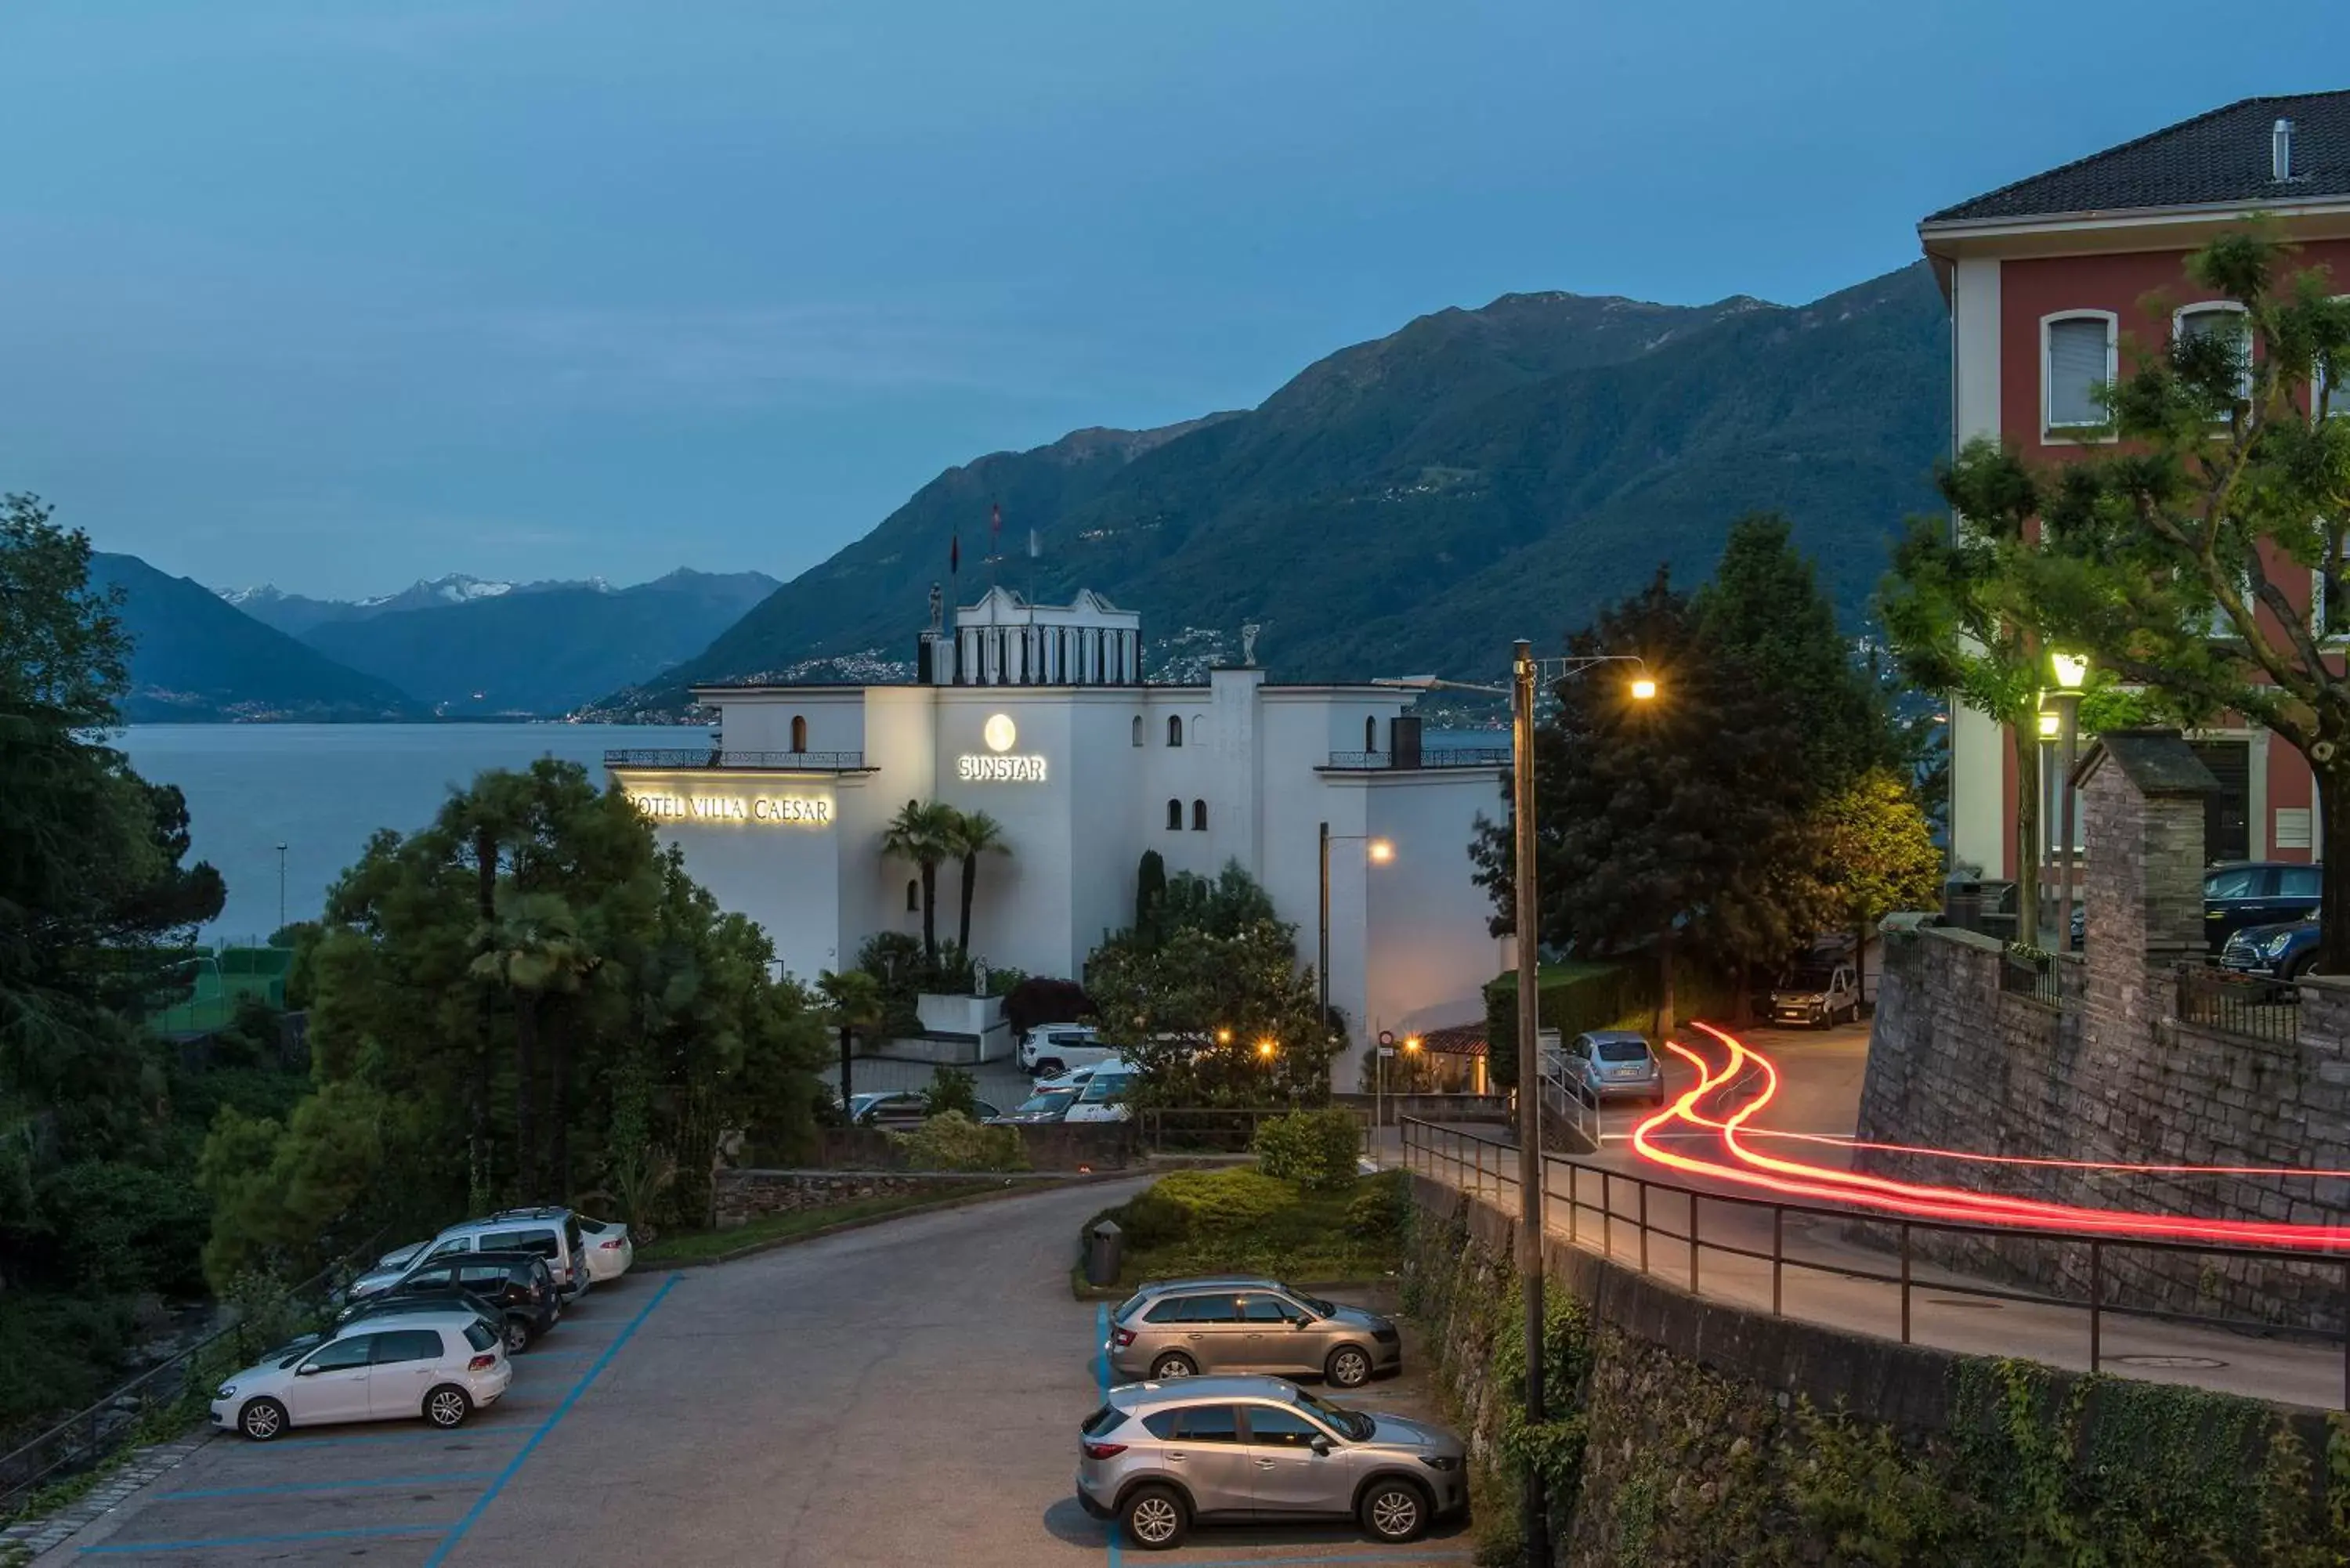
902, 1396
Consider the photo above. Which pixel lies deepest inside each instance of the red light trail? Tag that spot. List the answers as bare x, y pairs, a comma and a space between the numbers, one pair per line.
1748, 1167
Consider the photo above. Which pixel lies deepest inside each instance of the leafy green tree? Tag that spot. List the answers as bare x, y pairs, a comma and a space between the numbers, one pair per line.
971, 834
536, 952
852, 1006
1225, 905
1663, 826
951, 1089
1951, 614
1149, 888
2173, 558
1874, 852
923, 832
1199, 1012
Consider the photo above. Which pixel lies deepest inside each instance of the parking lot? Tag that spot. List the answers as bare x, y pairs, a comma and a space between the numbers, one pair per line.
904, 1394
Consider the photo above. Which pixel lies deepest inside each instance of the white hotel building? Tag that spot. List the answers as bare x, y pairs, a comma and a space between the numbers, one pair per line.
1039, 716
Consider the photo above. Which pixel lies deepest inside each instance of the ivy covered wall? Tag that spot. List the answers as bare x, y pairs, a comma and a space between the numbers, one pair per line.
1686, 1432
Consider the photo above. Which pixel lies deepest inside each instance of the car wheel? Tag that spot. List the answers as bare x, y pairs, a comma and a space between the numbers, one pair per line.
1350, 1367
1154, 1518
1395, 1510
1171, 1366
517, 1336
448, 1406
261, 1420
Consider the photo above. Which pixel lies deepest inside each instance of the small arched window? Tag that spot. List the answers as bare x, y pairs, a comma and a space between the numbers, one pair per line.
1174, 816
1174, 728
1199, 816
1370, 734
799, 732
913, 895
1138, 729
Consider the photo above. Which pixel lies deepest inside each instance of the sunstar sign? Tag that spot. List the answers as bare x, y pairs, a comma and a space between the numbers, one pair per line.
755, 810
998, 763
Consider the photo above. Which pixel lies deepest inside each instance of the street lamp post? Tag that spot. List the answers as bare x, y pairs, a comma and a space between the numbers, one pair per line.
281, 887
1526, 674
2071, 671
1379, 852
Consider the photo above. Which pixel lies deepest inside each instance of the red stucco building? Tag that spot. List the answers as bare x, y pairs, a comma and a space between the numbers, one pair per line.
2046, 279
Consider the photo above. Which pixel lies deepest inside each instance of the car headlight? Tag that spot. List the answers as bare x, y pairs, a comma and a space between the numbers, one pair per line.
227, 1391
2274, 947
1441, 1461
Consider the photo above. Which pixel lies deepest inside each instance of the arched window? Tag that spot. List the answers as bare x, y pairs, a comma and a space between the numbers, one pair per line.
913, 895
799, 732
1174, 816
1370, 734
1174, 728
1138, 729
1199, 816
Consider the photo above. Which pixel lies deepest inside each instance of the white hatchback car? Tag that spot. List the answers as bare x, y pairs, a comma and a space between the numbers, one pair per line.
1051, 1049
441, 1366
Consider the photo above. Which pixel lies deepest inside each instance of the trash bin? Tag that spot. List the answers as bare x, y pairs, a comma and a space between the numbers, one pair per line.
1105, 1253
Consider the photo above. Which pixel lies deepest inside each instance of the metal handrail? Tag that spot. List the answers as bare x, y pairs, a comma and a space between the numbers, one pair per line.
1422, 1138
98, 1442
1433, 757
703, 757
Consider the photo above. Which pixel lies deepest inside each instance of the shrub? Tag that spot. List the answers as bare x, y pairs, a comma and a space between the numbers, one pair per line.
1223, 1200
1381, 1209
1316, 1150
1149, 1219
1040, 998
952, 1141
951, 1089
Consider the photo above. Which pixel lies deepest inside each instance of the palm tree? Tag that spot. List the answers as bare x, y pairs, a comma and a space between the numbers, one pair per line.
533, 948
975, 834
852, 1003
923, 833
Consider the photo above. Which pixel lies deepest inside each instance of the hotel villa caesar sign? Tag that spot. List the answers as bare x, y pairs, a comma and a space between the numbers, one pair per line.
780, 811
997, 764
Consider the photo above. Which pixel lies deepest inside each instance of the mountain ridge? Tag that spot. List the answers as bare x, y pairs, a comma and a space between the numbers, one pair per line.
1405, 502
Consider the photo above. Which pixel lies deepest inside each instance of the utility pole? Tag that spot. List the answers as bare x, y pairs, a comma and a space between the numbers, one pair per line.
1536, 1523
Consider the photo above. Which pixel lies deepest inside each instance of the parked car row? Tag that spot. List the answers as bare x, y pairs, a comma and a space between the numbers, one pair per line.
2246, 896
1217, 1430
430, 1331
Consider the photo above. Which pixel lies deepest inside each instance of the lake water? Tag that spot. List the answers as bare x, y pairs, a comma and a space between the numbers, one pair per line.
321, 789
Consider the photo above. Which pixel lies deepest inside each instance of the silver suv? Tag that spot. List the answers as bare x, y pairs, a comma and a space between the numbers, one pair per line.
1178, 1328
1161, 1456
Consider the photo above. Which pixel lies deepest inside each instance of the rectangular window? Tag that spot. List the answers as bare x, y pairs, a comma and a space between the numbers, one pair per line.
2080, 360
479, 1336
542, 1242
408, 1344
2225, 322
2301, 882
1208, 1424
2292, 827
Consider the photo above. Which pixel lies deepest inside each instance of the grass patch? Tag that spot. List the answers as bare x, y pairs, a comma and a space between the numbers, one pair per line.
701, 1246
1182, 1225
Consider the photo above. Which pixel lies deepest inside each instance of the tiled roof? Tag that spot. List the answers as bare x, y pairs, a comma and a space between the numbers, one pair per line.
2220, 157
1460, 1040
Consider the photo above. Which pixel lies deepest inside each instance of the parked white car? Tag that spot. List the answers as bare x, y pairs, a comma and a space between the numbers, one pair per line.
552, 1233
609, 1250
1103, 1099
441, 1366
1051, 1049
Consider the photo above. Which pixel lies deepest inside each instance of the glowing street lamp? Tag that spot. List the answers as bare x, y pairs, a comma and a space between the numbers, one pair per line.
1267, 1047
2071, 673
1223, 1036
1644, 689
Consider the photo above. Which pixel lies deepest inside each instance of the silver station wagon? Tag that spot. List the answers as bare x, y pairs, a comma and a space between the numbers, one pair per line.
1178, 1328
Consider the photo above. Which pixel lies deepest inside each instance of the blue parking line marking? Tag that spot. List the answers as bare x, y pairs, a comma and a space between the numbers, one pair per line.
482, 1503
328, 1485
135, 1548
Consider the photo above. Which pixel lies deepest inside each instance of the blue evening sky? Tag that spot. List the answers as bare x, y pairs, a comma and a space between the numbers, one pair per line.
336, 294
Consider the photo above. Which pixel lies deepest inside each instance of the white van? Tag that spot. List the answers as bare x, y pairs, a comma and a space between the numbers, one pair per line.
1103, 1099
1051, 1049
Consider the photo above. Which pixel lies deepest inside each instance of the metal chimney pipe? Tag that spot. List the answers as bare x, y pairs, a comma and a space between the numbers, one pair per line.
2281, 151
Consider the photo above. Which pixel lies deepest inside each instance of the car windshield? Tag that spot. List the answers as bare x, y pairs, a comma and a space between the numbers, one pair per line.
1623, 1050
1050, 1099
1808, 980
1354, 1423
1106, 1086
1319, 1307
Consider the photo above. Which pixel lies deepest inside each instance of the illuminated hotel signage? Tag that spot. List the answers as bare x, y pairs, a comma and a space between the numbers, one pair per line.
776, 810
997, 764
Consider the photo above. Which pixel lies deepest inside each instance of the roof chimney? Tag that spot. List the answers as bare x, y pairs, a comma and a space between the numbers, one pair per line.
2281, 151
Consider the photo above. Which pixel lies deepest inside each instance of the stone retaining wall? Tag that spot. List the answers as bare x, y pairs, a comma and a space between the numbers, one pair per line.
1050, 1145
2112, 1075
747, 1195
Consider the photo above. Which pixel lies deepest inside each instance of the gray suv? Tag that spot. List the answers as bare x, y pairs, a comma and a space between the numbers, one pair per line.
1179, 1328
1161, 1456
